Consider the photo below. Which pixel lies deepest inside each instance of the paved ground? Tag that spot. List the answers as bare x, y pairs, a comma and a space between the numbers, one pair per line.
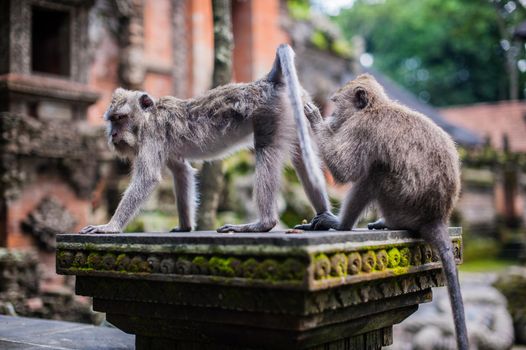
20, 333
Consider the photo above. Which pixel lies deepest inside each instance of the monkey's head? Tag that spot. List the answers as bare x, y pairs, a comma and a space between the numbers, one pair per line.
358, 94
125, 117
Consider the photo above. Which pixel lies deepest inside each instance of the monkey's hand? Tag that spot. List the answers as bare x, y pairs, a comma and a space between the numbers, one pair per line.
321, 222
313, 114
377, 225
100, 229
181, 229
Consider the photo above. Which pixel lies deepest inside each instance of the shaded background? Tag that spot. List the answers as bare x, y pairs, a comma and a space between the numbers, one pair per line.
461, 62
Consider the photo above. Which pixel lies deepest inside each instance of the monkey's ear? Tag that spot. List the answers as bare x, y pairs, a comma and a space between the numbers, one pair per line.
145, 101
360, 99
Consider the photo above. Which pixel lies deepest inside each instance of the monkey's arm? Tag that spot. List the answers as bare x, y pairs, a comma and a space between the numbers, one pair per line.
146, 175
184, 183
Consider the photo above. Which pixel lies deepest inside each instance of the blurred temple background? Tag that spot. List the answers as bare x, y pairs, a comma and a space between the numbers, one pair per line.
459, 62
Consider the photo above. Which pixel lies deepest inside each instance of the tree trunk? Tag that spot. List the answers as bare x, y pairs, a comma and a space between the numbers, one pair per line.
211, 177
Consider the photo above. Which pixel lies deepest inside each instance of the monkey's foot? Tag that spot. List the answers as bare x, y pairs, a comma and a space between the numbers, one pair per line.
377, 225
99, 229
321, 222
253, 227
181, 229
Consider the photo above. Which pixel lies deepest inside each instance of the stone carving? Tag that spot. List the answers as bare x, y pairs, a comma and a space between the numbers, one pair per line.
319, 287
339, 267
47, 220
131, 41
23, 138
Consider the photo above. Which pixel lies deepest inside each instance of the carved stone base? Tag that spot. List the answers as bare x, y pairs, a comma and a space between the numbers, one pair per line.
204, 290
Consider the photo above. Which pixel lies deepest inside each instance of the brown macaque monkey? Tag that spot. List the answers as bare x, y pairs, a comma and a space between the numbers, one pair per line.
399, 159
171, 132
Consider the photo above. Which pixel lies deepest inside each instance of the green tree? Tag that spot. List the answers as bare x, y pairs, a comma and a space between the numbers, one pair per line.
445, 51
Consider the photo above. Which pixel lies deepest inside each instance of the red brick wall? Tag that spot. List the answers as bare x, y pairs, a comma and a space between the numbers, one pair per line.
257, 34
200, 46
103, 75
31, 197
493, 120
158, 47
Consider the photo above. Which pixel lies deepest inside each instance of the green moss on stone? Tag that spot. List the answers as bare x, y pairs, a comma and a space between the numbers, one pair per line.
368, 261
108, 261
221, 267
249, 267
267, 270
354, 263
399, 270
394, 257
122, 262
94, 261
382, 260
339, 265
138, 264
322, 266
405, 257
79, 260
291, 270
200, 265
89, 246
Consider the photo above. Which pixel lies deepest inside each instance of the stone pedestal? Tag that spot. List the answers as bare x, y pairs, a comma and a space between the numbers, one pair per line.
203, 290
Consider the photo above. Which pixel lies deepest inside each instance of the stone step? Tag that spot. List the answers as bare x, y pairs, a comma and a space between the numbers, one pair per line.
23, 333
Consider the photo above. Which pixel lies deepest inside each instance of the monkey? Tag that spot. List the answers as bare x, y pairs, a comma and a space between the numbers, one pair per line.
172, 132
401, 160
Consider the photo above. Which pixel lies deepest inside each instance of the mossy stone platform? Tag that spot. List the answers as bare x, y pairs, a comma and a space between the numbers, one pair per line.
204, 290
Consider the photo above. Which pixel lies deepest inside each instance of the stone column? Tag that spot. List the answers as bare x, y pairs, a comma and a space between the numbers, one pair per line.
204, 290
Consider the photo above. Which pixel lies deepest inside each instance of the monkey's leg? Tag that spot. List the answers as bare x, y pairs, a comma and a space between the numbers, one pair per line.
355, 202
184, 185
266, 185
377, 225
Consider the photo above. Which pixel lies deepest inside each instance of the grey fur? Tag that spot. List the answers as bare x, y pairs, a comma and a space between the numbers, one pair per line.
398, 158
172, 131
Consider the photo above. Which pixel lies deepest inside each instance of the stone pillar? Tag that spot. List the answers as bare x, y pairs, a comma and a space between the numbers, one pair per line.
204, 290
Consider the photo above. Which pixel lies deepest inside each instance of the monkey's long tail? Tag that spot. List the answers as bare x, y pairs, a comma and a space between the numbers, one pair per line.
286, 67
437, 234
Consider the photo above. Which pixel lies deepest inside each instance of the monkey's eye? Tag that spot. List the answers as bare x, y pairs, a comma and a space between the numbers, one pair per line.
117, 117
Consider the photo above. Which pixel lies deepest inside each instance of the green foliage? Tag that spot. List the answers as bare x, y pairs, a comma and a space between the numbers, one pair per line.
240, 163
491, 158
445, 51
480, 248
299, 9
342, 48
319, 40
485, 265
137, 225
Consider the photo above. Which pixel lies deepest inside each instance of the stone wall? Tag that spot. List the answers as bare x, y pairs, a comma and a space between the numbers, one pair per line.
23, 294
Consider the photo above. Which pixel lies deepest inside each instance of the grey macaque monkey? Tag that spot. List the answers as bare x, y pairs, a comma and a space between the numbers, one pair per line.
398, 158
171, 132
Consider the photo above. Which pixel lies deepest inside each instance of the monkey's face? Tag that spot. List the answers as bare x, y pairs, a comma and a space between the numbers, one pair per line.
127, 113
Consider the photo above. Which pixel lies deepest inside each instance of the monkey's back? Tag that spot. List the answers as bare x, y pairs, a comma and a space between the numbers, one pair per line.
420, 166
